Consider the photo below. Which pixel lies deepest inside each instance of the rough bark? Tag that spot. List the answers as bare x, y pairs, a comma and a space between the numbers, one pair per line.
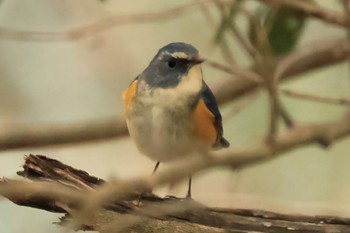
152, 213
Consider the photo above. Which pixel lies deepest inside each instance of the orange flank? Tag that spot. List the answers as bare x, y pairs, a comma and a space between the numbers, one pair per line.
204, 119
128, 95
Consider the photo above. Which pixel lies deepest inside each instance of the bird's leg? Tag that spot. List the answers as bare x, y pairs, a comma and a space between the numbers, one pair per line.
150, 190
156, 167
189, 195
154, 171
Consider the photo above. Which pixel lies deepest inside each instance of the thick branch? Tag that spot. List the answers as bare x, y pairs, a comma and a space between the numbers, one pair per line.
155, 214
291, 139
295, 137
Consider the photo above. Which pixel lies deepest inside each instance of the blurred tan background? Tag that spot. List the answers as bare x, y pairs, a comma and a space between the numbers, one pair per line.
79, 80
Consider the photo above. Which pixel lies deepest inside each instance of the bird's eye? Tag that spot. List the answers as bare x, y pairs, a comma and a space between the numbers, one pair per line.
172, 63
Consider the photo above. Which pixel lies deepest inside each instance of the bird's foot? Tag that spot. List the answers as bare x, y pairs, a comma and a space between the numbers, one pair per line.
144, 195
171, 197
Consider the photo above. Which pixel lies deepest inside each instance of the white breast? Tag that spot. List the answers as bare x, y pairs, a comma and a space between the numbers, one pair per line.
160, 123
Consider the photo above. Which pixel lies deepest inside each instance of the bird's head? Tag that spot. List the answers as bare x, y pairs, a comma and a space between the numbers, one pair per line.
174, 64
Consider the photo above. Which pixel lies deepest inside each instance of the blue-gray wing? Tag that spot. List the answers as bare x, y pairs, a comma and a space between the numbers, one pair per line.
210, 101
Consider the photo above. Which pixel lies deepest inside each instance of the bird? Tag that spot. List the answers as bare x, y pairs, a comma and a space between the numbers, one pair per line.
170, 111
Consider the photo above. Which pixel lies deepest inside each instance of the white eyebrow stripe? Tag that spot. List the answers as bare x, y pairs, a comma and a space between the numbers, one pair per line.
180, 55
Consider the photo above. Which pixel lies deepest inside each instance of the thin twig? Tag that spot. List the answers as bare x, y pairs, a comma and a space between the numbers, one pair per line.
224, 46
99, 26
278, 110
267, 70
207, 15
233, 28
274, 114
346, 6
319, 55
240, 106
286, 117
320, 99
290, 139
284, 66
235, 70
225, 49
244, 42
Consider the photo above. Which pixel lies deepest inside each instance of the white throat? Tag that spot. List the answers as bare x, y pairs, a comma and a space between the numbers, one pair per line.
189, 85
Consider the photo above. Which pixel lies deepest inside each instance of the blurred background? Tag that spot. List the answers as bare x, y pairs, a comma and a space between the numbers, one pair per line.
55, 79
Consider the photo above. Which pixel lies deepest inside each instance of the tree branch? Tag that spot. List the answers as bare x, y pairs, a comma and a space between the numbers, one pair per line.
230, 89
236, 70
295, 137
291, 139
320, 99
154, 215
309, 58
312, 9
21, 136
99, 26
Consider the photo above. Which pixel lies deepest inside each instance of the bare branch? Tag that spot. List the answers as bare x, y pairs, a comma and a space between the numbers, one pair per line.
295, 137
274, 113
20, 136
236, 70
291, 139
225, 49
346, 6
37, 135
154, 215
320, 55
244, 42
250, 50
99, 26
240, 106
312, 9
321, 99
18, 191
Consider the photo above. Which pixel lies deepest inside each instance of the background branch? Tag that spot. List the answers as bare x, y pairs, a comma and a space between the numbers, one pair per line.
320, 99
320, 55
21, 136
99, 26
312, 9
91, 203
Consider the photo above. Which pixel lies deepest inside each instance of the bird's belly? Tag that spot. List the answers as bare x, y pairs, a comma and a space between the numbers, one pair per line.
162, 134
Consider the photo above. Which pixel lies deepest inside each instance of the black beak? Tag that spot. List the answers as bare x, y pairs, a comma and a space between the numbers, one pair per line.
196, 60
